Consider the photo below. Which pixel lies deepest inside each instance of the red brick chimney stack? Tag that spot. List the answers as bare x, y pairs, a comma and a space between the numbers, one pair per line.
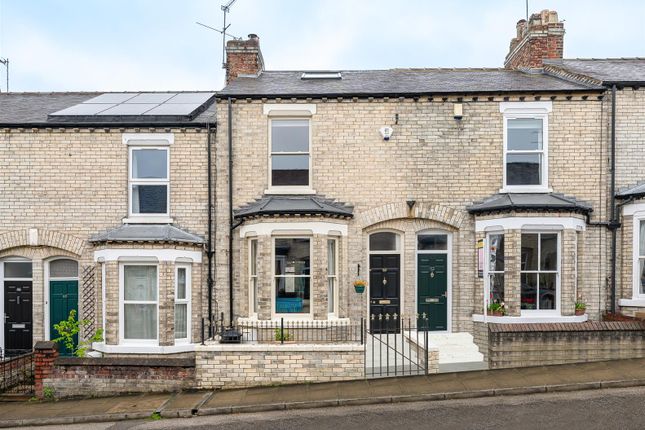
243, 57
542, 37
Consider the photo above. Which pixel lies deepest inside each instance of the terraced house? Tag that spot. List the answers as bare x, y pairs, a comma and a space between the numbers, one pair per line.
489, 213
447, 190
104, 210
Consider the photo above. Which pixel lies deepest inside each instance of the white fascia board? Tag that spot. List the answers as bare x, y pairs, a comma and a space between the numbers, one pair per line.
525, 107
317, 227
530, 223
131, 254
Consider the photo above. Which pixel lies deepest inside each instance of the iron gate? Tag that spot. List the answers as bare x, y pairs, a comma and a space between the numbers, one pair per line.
396, 346
17, 373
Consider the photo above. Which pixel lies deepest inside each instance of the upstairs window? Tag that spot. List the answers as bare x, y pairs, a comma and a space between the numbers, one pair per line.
290, 158
526, 146
524, 152
149, 181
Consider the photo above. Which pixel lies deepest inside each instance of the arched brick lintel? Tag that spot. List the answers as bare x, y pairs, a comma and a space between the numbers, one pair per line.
41, 237
439, 213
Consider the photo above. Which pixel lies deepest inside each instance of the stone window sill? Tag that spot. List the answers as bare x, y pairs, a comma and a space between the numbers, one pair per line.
533, 319
636, 303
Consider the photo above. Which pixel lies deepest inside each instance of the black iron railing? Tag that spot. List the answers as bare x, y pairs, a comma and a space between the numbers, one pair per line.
396, 346
17, 372
281, 331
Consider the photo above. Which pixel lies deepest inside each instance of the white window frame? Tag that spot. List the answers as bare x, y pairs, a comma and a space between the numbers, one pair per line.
186, 301
527, 110
487, 272
122, 302
253, 277
332, 280
636, 257
137, 217
558, 271
292, 316
288, 189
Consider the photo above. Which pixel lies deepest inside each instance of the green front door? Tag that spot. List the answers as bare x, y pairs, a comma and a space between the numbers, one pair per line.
432, 286
63, 298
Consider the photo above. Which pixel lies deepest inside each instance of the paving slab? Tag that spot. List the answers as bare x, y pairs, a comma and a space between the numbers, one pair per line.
186, 400
225, 398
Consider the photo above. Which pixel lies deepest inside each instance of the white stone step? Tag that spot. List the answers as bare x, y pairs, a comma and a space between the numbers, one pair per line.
453, 347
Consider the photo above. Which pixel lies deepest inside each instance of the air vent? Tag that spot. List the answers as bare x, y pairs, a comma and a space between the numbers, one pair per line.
321, 75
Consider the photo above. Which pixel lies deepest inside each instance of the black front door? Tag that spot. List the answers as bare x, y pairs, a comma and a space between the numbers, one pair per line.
18, 316
385, 292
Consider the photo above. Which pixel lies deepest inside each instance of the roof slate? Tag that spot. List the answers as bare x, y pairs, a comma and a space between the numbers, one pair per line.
607, 70
530, 201
147, 233
33, 108
294, 205
634, 191
399, 82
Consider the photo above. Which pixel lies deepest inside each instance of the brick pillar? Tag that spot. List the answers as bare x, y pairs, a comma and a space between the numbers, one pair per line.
512, 265
45, 353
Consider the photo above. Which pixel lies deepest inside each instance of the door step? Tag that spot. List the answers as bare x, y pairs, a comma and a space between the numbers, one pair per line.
454, 348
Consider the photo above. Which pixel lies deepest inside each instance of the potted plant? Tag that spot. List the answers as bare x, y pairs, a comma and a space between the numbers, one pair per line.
282, 335
359, 286
581, 307
496, 309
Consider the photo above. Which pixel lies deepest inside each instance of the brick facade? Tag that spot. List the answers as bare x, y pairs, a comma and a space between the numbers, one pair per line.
69, 184
418, 163
541, 38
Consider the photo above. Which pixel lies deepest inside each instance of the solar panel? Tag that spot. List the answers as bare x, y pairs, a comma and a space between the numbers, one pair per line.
84, 109
135, 104
112, 98
151, 98
199, 98
174, 109
129, 109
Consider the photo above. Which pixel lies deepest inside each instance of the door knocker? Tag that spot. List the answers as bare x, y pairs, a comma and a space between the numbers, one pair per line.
431, 274
384, 281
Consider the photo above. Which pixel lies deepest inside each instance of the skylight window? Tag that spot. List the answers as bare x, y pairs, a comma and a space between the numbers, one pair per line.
321, 75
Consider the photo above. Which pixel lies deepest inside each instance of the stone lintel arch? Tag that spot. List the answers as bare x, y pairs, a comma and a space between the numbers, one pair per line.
422, 210
34, 237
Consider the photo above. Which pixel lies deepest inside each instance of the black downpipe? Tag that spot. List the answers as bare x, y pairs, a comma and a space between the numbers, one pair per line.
209, 245
614, 219
230, 211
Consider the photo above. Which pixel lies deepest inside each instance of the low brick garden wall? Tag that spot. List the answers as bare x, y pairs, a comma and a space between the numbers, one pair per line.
105, 376
522, 345
245, 365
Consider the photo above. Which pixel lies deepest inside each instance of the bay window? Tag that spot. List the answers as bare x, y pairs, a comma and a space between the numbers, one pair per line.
332, 276
139, 302
182, 302
292, 278
253, 277
495, 268
539, 271
639, 257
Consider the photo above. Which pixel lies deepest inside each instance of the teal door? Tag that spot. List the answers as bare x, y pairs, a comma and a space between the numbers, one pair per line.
63, 297
432, 290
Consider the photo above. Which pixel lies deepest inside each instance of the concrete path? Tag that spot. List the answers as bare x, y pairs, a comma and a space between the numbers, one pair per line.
487, 383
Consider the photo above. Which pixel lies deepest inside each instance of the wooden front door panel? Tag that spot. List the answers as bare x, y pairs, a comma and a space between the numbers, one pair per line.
63, 298
18, 324
432, 286
385, 291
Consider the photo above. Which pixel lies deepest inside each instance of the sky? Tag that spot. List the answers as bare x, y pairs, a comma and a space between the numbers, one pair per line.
118, 45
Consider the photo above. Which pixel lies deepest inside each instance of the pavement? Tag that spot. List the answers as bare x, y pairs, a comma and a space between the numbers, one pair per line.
445, 386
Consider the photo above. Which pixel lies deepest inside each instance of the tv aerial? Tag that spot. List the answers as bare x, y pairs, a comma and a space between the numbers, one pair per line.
5, 63
226, 8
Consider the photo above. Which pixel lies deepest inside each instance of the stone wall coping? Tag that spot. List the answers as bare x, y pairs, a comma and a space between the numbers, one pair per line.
126, 361
537, 319
45, 344
295, 347
589, 326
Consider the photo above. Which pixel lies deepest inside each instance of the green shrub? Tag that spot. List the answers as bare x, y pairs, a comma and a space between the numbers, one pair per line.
69, 328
